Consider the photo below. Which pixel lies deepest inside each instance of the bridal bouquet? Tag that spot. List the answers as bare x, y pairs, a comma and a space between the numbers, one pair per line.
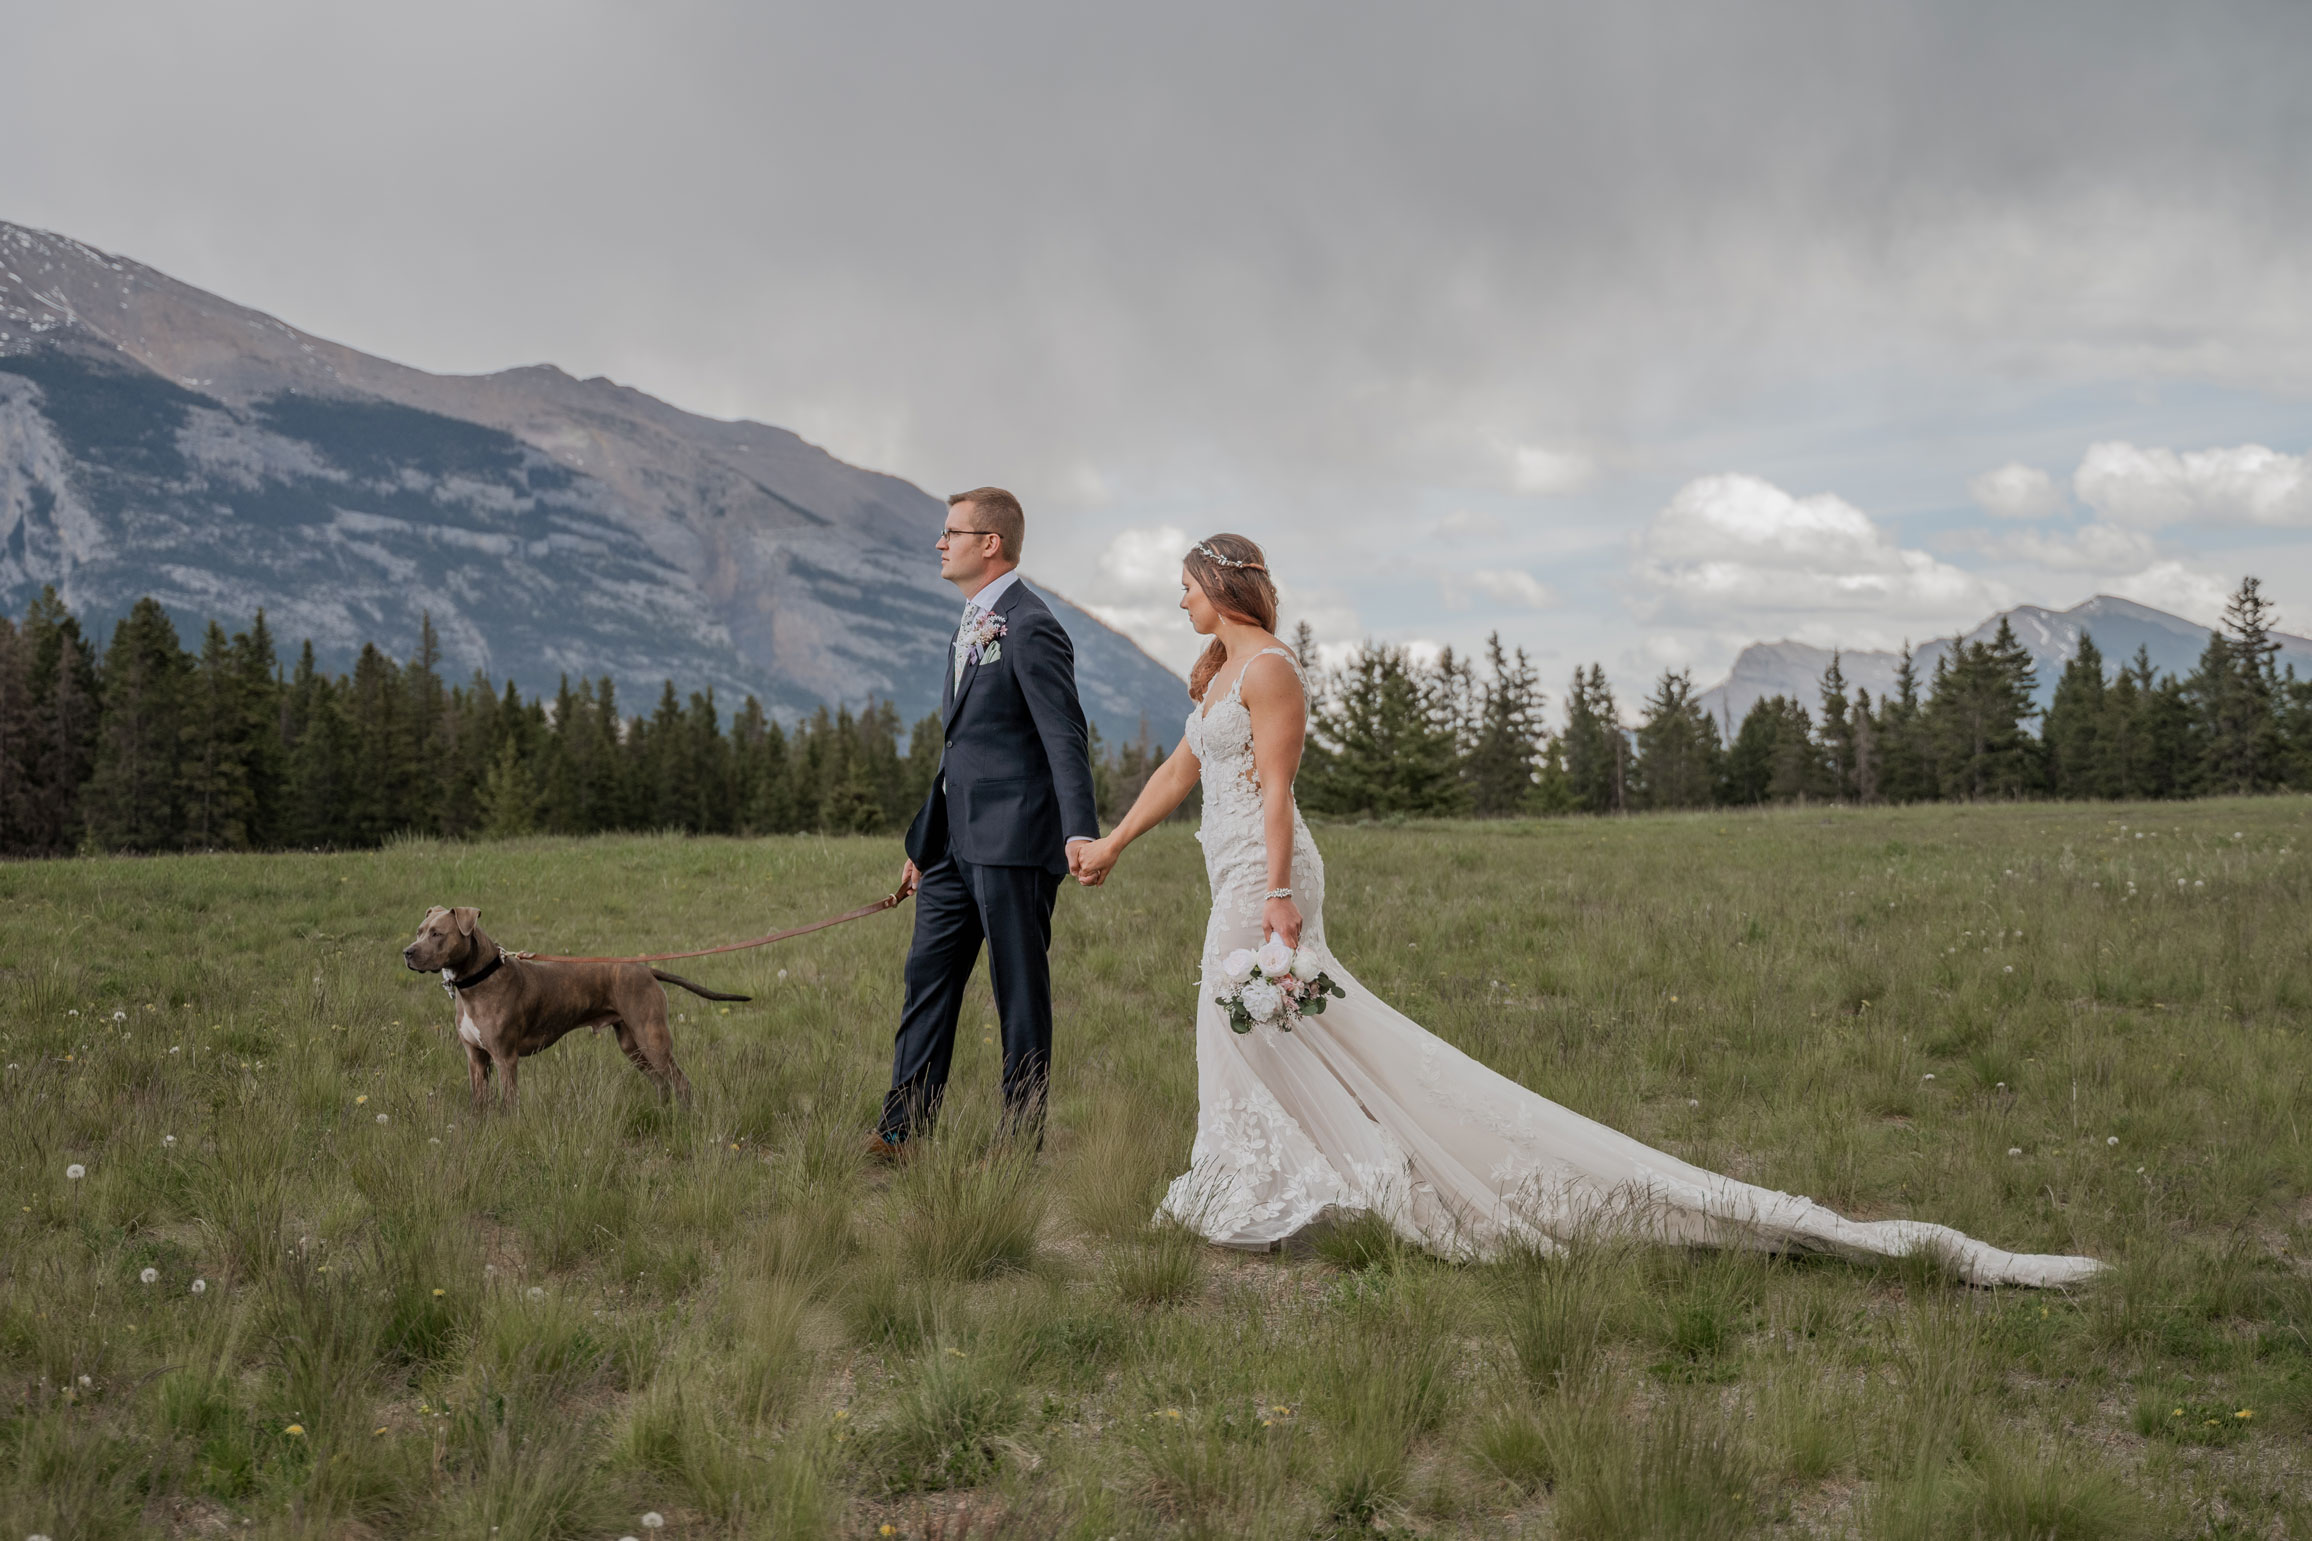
1274, 986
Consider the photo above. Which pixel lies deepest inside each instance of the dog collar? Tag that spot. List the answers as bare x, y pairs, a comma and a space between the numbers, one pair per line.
497, 962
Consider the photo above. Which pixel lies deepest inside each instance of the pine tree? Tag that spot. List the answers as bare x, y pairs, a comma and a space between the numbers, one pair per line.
1976, 719
1595, 745
433, 770
2074, 736
320, 753
264, 757
1837, 736
509, 797
1750, 759
381, 779
1796, 774
1866, 749
1505, 748
1906, 773
20, 833
66, 706
2234, 693
132, 791
1387, 726
1678, 754
213, 750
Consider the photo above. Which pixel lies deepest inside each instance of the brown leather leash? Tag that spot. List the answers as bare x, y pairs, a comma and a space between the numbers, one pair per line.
892, 901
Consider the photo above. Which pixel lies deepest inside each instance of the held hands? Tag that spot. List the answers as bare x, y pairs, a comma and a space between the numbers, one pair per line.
1281, 918
1091, 861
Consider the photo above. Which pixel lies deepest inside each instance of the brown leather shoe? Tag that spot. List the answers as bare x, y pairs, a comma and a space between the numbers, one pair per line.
881, 1149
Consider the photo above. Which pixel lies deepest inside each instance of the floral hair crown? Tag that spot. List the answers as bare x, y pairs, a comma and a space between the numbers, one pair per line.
1217, 559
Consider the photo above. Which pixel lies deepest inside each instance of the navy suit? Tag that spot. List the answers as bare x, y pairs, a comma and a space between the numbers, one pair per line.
1014, 783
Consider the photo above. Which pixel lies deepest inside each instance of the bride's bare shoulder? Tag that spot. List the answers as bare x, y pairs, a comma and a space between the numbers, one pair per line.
1271, 678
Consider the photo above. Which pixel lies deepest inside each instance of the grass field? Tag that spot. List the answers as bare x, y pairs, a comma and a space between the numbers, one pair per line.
298, 1289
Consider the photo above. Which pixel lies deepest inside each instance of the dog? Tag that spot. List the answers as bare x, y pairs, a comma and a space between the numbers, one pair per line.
510, 1006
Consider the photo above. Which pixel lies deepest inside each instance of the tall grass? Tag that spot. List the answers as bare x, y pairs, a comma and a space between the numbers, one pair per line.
556, 1323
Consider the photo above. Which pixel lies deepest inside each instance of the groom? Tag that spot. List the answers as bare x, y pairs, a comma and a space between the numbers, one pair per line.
986, 854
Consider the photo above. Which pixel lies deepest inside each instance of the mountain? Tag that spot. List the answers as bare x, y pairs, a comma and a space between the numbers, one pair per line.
155, 439
2119, 627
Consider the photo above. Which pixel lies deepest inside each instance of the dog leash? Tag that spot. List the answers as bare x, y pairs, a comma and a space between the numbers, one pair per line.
890, 901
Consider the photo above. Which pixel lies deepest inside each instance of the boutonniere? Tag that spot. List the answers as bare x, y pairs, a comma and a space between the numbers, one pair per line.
982, 640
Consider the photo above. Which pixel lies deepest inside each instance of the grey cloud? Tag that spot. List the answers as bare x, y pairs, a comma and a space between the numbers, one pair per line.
1294, 258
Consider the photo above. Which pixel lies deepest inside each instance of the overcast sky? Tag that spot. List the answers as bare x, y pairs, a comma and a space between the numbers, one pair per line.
1634, 331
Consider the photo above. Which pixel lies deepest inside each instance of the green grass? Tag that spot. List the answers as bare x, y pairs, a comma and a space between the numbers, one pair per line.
415, 1322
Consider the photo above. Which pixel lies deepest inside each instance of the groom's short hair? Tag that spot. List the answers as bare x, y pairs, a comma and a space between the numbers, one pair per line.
1000, 513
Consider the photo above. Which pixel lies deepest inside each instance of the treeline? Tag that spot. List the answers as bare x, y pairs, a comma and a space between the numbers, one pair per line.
151, 747
1391, 736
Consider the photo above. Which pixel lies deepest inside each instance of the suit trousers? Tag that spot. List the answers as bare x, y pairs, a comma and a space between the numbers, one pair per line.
959, 905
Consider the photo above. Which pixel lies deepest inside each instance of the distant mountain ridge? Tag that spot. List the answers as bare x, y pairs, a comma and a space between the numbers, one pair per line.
157, 439
2119, 626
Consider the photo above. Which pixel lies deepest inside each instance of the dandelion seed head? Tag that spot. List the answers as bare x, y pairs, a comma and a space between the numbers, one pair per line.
75, 1172
2111, 1139
653, 1520
384, 1119
120, 1016
2014, 1150
149, 1276
537, 1292
200, 1286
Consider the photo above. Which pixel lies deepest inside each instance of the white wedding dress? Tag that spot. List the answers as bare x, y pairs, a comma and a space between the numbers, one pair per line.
1360, 1109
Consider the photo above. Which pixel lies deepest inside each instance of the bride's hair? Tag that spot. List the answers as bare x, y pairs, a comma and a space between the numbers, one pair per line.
1234, 576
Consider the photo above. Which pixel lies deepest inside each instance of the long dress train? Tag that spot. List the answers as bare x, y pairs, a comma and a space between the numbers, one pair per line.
1361, 1109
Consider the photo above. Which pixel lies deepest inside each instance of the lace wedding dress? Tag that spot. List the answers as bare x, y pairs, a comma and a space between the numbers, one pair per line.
1360, 1109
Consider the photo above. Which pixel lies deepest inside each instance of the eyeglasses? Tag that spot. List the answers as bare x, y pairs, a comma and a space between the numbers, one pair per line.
948, 535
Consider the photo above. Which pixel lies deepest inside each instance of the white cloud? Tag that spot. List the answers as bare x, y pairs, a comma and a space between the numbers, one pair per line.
1739, 553
2177, 589
1137, 591
2090, 548
1464, 524
2017, 492
2247, 484
1146, 561
1546, 472
1507, 585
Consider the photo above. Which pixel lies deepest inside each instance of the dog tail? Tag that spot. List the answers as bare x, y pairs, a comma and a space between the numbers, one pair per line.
696, 989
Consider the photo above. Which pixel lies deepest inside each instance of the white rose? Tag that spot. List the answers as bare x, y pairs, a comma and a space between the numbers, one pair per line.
1275, 957
1263, 1000
1238, 965
1305, 966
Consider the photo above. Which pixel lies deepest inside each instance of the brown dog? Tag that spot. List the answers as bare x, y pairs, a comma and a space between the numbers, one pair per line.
510, 1006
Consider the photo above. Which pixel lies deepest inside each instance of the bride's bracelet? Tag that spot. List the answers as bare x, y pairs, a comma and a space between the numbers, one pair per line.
1278, 893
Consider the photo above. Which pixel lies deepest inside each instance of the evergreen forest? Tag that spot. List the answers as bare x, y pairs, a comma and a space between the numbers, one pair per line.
144, 744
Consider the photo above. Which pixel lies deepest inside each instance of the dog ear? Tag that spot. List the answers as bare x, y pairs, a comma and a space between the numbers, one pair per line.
465, 915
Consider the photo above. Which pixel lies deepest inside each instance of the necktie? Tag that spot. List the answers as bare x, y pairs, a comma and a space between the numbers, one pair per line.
970, 613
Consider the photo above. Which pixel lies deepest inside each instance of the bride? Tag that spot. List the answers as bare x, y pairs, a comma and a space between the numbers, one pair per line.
1361, 1109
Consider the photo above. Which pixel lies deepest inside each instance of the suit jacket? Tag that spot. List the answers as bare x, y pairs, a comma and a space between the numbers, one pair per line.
1015, 771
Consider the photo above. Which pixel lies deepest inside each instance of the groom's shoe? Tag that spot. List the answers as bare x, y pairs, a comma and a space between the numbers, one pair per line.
881, 1149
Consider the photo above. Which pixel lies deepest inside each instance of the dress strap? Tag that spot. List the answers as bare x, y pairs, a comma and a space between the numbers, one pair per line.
1236, 686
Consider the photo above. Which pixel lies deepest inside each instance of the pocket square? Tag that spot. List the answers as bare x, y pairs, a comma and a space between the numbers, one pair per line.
993, 652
